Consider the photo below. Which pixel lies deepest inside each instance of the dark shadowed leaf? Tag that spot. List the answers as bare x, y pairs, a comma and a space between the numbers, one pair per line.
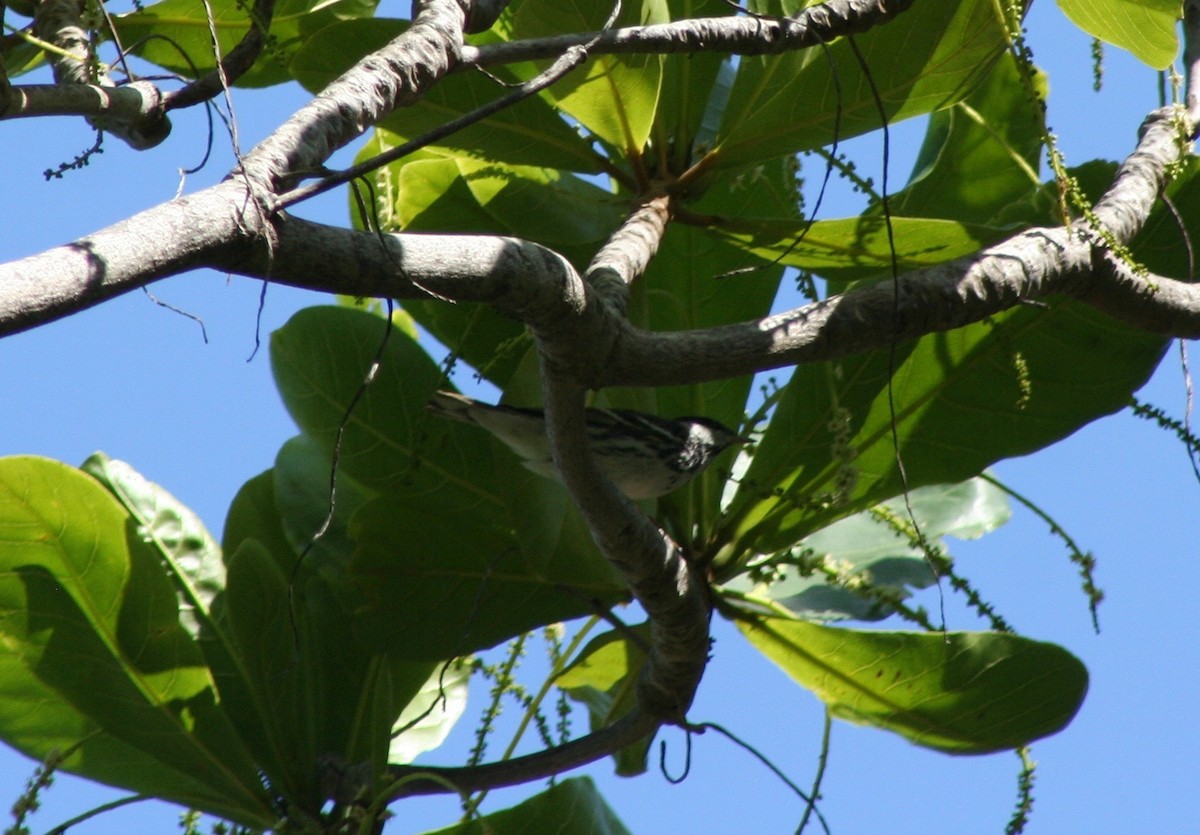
569, 807
963, 400
433, 590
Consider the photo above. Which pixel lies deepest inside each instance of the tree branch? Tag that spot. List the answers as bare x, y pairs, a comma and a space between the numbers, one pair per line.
816, 24
231, 67
391, 77
578, 752
138, 101
136, 118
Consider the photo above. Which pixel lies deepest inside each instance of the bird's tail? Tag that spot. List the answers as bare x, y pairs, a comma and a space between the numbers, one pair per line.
448, 404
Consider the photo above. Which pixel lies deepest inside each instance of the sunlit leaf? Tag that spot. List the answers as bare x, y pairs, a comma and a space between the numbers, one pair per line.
604, 678
613, 96
177, 34
1144, 27
428, 719
96, 661
856, 246
957, 692
874, 546
191, 553
528, 133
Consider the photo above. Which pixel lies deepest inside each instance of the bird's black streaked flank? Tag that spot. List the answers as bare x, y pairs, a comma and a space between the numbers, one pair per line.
644, 455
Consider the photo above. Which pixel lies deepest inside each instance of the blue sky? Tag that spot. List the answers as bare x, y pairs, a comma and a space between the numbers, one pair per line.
138, 382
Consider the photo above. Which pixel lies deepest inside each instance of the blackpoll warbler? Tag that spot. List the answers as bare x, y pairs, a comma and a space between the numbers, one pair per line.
644, 455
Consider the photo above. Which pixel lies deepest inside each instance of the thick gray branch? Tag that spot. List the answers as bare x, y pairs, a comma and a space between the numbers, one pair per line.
396, 75
123, 257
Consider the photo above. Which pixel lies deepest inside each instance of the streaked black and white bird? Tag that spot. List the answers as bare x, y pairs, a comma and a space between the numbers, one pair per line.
644, 455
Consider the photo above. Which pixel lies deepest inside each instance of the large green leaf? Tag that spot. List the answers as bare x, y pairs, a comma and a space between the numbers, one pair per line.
688, 84
310, 682
979, 155
1144, 27
613, 96
437, 553
192, 556
927, 58
963, 400
958, 692
301, 474
177, 34
569, 807
448, 589
872, 547
96, 661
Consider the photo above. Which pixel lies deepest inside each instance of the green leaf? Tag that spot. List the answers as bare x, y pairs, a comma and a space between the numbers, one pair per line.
613, 96
569, 807
437, 554
191, 554
309, 681
528, 133
428, 719
603, 677
1144, 27
301, 490
867, 547
963, 400
927, 58
95, 659
320, 359
980, 155
1161, 244
687, 87
855, 247
957, 692
462, 583
177, 34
